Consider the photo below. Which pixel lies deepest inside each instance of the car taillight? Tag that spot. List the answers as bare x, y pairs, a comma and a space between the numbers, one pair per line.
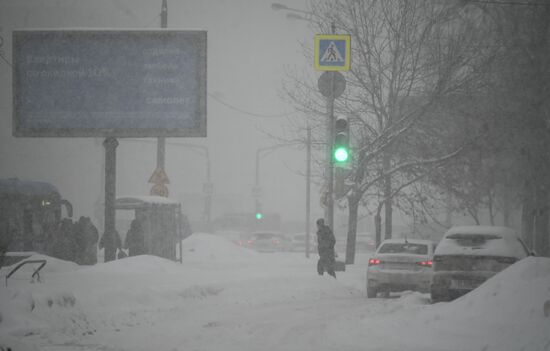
425, 263
374, 262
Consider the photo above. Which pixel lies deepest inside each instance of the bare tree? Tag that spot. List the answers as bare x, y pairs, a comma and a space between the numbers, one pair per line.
407, 56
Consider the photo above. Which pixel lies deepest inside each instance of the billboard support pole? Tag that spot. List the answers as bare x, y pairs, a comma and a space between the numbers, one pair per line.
161, 141
110, 240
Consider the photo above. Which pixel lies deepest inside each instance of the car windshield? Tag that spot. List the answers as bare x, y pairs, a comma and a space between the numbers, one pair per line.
408, 248
472, 240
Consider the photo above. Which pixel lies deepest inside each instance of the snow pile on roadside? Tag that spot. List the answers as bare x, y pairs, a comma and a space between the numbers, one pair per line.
507, 312
54, 265
209, 247
142, 264
155, 299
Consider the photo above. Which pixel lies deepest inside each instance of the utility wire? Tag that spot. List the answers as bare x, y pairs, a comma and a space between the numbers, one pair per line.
246, 112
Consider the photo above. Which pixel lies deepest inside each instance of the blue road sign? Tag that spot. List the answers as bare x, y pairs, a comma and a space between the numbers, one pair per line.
332, 52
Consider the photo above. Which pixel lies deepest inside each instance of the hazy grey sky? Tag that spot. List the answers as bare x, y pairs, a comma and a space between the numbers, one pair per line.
248, 46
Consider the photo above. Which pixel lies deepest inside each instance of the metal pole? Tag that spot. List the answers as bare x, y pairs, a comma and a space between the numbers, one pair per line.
110, 235
330, 166
164, 15
208, 199
257, 182
308, 188
161, 141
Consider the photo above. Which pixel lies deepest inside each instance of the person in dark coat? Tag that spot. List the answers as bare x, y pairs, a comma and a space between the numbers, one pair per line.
65, 245
135, 239
325, 246
87, 237
112, 243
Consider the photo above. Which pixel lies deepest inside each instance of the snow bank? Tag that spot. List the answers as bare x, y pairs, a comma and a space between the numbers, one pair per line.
53, 265
509, 307
209, 247
250, 300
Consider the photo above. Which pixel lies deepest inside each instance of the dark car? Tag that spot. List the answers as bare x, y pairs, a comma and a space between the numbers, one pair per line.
469, 255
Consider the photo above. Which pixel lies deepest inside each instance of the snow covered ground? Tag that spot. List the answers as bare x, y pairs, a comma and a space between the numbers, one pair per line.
224, 297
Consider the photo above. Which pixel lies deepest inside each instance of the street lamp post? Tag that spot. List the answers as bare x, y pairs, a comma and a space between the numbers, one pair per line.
256, 191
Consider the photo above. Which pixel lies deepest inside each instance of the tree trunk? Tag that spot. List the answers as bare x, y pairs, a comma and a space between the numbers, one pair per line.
378, 228
540, 237
353, 203
387, 200
378, 224
527, 211
506, 207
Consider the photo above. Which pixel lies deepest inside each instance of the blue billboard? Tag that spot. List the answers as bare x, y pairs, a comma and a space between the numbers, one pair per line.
100, 83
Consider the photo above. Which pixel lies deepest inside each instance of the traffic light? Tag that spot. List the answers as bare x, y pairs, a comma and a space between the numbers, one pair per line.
340, 150
259, 213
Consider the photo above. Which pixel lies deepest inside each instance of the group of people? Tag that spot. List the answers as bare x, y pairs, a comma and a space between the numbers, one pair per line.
73, 241
134, 241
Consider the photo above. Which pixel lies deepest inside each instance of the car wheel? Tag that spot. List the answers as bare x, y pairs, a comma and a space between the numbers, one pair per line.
371, 291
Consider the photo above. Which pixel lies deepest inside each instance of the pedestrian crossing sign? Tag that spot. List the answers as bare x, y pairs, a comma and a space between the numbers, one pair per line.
332, 52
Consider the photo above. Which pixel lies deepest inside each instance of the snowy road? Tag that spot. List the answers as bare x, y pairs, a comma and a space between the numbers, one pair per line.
225, 297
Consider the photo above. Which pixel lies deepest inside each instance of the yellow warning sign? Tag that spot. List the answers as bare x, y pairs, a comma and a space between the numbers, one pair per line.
159, 177
159, 190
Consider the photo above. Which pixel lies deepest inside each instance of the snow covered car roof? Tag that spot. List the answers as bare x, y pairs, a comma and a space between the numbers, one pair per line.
481, 241
404, 247
412, 241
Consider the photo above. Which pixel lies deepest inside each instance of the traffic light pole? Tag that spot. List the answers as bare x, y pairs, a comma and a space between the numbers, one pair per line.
330, 164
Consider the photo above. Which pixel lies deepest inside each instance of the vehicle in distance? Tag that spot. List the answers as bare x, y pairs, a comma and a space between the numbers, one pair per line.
399, 265
235, 236
266, 241
469, 255
298, 242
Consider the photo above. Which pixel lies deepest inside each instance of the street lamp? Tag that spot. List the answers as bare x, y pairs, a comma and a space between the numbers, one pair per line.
277, 6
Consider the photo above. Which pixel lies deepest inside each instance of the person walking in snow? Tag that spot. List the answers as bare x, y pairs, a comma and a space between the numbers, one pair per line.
325, 246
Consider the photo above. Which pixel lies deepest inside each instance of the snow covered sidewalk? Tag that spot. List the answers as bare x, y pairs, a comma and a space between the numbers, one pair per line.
224, 297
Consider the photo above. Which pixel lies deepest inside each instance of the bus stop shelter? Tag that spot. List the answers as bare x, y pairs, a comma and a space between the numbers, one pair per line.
161, 221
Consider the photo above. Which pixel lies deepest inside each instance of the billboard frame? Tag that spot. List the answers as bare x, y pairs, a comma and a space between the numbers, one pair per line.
200, 115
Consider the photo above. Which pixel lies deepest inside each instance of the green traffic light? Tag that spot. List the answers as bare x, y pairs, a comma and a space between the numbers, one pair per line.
259, 215
341, 154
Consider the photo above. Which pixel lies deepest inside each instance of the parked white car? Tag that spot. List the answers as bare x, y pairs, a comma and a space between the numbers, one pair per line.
399, 265
469, 255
